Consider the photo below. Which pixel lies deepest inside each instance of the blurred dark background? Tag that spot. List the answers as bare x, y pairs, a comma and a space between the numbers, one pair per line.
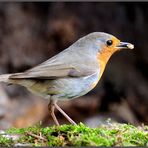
30, 33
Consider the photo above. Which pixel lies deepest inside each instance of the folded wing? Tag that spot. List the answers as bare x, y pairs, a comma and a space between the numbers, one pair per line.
54, 70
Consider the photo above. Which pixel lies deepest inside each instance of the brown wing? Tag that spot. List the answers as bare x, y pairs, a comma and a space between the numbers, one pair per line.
61, 65
47, 71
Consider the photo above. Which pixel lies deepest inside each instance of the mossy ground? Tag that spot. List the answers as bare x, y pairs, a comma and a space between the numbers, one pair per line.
113, 134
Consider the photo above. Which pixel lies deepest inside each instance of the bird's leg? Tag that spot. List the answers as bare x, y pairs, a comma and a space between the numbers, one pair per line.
64, 114
51, 108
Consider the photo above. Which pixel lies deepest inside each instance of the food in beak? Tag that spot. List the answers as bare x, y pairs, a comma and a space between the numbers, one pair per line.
125, 45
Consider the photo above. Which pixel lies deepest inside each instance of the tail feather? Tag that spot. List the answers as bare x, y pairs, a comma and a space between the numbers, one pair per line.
5, 78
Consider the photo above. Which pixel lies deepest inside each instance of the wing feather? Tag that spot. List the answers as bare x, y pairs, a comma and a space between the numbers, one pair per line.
46, 71
57, 67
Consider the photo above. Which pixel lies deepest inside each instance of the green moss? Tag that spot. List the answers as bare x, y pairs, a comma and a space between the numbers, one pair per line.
5, 141
112, 134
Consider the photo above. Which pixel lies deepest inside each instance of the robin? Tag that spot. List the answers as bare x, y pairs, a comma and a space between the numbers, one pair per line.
71, 73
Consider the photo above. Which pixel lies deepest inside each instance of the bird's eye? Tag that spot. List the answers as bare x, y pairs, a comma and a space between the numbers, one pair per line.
109, 42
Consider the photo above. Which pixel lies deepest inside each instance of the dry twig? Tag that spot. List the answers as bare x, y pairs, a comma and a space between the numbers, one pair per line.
36, 136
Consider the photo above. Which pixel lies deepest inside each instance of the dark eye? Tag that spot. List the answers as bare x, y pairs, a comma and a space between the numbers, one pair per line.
109, 42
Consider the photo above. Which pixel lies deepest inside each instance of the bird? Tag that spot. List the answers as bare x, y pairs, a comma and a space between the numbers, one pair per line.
71, 73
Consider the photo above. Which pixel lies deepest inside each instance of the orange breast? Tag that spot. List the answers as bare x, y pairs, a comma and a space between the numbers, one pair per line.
103, 58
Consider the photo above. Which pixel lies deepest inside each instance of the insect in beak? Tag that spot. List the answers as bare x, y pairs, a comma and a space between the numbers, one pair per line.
125, 45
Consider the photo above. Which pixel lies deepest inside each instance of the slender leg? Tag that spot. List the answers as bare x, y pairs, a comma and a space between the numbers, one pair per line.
64, 114
51, 108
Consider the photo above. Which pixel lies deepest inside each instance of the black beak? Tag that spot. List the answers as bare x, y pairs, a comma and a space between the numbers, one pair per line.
125, 45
